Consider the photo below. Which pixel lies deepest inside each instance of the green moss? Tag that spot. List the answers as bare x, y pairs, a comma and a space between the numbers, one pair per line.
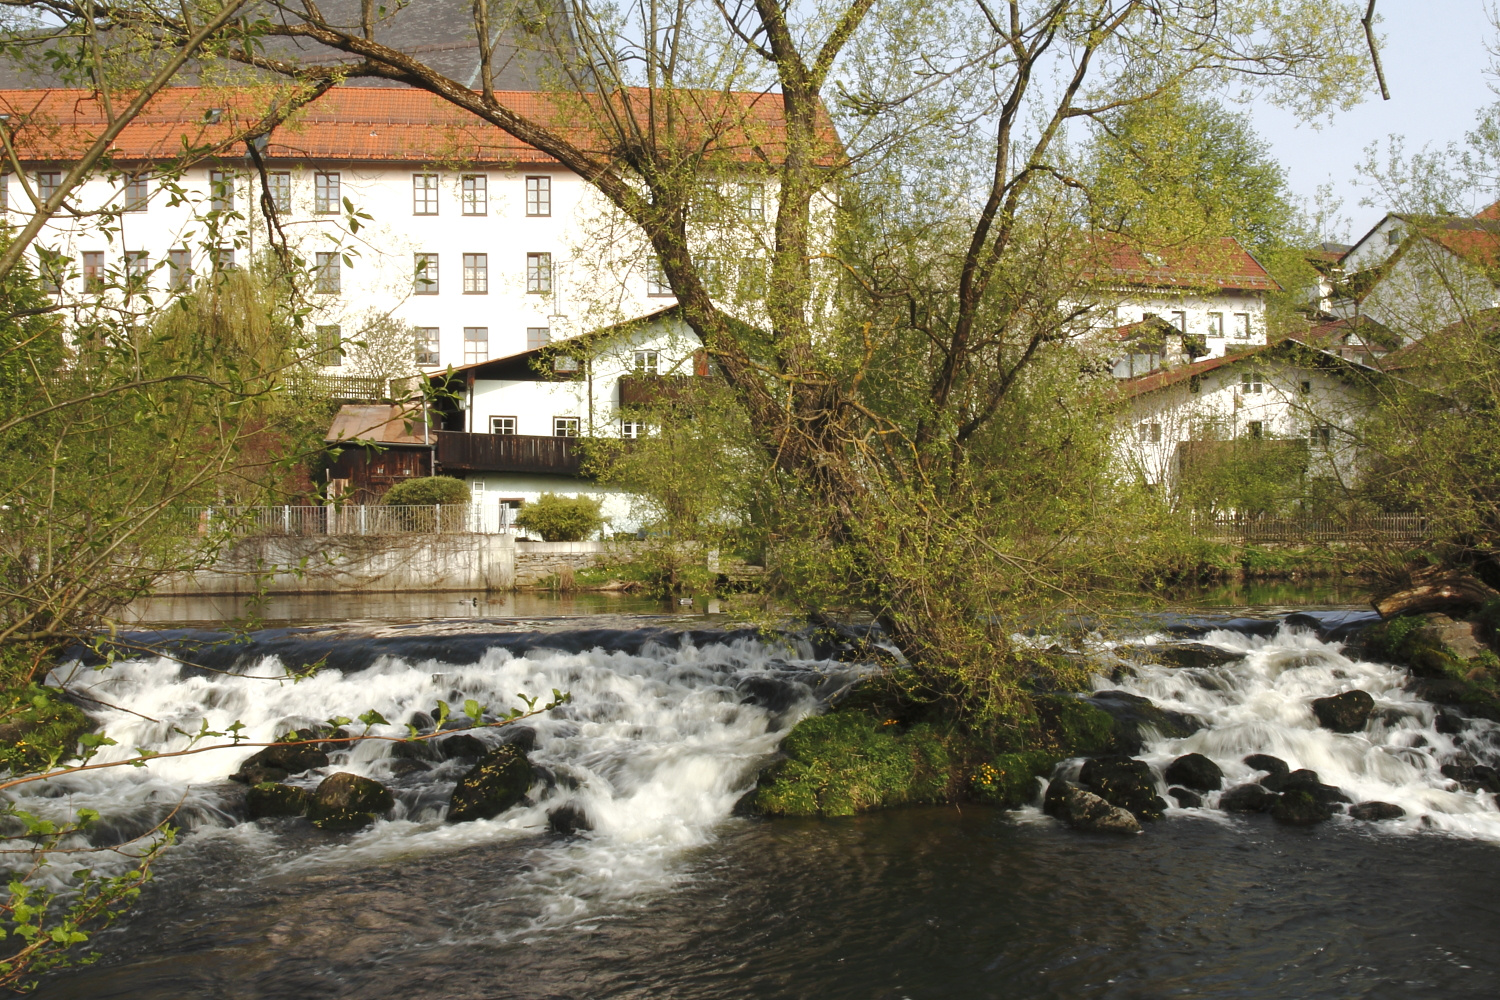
1009, 780
37, 728
1071, 727
846, 762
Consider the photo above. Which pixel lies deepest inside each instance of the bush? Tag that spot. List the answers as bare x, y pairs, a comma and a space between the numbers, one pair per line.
428, 490
561, 519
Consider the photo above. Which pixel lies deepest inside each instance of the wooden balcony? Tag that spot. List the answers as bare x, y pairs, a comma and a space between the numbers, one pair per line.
658, 390
460, 452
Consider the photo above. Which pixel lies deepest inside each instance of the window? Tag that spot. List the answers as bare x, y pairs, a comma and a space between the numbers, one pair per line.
279, 186
753, 202
1179, 320
538, 337
222, 258
647, 362
1320, 435
656, 280
1305, 388
52, 270
93, 271
137, 194
715, 275
1216, 324
630, 430
326, 194
476, 274
47, 183
427, 345
179, 269
1250, 382
539, 272
425, 274
565, 363
476, 344
220, 191
137, 268
4, 192
1393, 236
1241, 326
502, 425
565, 427
329, 346
424, 194
476, 198
1149, 433
538, 196
329, 273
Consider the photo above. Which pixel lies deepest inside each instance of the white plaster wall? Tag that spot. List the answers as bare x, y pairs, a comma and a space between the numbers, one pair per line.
1132, 308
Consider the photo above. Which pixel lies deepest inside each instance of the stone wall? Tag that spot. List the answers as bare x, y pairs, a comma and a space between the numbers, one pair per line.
536, 561
318, 564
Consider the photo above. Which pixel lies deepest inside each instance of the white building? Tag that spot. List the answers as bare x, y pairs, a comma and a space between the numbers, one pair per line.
1309, 399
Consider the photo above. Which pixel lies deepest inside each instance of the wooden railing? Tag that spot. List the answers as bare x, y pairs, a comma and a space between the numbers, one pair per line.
1364, 528
458, 451
655, 390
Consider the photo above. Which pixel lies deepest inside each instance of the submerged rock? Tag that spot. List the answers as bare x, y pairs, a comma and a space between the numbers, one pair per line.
1344, 713
415, 750
1375, 812
499, 781
1186, 799
1083, 810
347, 801
1300, 808
1474, 777
1124, 782
1195, 771
568, 818
271, 799
1188, 654
1247, 798
1274, 766
462, 747
1134, 715
1304, 780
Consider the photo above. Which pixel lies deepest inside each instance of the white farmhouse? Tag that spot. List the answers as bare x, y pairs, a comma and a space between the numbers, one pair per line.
1305, 398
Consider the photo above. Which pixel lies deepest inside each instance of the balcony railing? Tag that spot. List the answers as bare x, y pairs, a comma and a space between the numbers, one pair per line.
351, 519
459, 451
656, 390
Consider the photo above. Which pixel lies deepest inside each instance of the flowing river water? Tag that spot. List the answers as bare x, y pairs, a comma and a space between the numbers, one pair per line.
671, 894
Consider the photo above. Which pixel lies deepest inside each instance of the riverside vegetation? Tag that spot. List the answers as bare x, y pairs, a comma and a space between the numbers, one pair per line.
910, 423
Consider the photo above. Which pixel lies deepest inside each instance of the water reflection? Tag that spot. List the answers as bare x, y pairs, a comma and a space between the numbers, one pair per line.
318, 608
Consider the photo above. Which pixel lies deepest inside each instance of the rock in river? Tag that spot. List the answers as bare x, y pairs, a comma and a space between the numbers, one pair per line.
1124, 782
1133, 716
1274, 766
1247, 798
1374, 812
293, 758
497, 782
1083, 810
1185, 798
1195, 771
272, 799
347, 801
1300, 808
1344, 713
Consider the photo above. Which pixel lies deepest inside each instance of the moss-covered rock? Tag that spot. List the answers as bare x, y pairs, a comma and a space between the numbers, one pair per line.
345, 801
38, 727
270, 798
1442, 674
847, 762
1010, 779
1071, 727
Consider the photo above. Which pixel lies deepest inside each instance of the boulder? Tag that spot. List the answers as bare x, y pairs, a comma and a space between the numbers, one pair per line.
1462, 639
1083, 810
1133, 716
1195, 771
272, 799
1375, 812
254, 774
289, 758
1186, 799
523, 738
1437, 589
1247, 798
1274, 766
499, 781
1187, 654
461, 747
347, 801
568, 818
1300, 808
400, 767
1304, 780
1124, 782
1474, 777
1344, 713
416, 750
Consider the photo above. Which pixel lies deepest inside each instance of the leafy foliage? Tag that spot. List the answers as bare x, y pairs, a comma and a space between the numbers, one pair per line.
561, 519
428, 490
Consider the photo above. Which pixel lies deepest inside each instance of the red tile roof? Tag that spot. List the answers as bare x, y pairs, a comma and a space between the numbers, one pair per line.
1221, 263
382, 124
384, 423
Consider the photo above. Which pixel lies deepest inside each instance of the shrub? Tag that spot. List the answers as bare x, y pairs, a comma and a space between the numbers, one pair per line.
561, 519
428, 490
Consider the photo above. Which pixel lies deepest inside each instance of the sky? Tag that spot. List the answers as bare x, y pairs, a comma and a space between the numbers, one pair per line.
1435, 63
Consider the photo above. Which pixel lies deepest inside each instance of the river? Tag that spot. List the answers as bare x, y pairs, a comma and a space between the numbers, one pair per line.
671, 895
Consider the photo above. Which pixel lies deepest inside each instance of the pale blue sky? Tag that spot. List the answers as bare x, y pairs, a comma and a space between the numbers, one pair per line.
1435, 62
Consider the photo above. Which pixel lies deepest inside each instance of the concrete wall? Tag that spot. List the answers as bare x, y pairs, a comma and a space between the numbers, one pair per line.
353, 563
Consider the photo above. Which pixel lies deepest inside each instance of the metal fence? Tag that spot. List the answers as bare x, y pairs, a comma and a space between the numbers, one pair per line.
1367, 528
357, 519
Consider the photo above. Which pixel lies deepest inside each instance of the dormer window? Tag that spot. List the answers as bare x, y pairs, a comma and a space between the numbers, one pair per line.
1393, 236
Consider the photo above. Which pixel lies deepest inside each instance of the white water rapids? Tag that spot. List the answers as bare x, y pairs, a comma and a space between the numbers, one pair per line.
659, 744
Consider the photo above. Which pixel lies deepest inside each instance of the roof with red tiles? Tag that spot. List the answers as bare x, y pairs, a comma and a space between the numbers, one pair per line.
1222, 263
383, 423
387, 124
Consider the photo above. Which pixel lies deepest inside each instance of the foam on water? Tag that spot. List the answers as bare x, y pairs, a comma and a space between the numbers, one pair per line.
1262, 703
655, 748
